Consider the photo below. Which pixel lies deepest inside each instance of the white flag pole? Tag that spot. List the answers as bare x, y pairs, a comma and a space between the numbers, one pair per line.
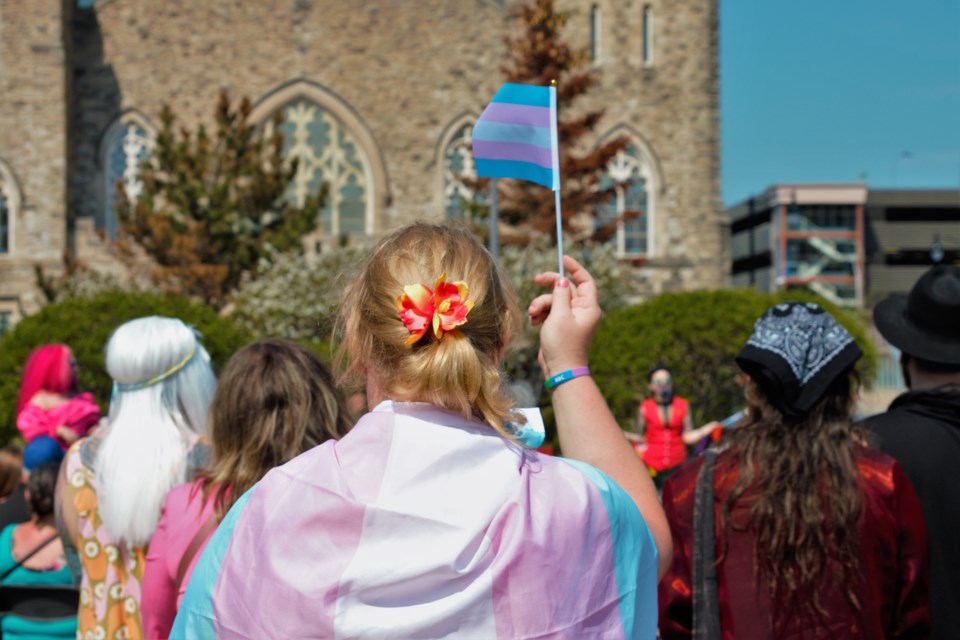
494, 220
556, 206
554, 140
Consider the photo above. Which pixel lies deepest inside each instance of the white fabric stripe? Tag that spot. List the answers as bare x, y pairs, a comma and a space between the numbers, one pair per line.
423, 561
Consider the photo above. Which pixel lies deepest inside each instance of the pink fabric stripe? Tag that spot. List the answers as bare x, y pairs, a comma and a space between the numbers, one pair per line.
517, 114
298, 500
487, 150
535, 538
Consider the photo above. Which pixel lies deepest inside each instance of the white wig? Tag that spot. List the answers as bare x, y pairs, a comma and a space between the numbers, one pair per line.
163, 385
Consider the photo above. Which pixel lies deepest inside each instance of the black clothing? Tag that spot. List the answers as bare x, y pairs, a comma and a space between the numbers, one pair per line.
921, 430
14, 509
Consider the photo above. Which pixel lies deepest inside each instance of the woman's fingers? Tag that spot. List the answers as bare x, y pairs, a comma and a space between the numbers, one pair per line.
539, 308
580, 277
547, 279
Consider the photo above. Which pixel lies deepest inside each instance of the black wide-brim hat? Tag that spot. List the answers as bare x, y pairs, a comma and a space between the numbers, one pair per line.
926, 323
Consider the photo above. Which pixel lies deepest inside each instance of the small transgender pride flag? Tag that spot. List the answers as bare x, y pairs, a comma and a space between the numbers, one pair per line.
516, 136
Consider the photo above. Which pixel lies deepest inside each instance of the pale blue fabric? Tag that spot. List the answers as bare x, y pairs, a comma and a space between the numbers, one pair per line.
635, 555
195, 617
528, 94
515, 169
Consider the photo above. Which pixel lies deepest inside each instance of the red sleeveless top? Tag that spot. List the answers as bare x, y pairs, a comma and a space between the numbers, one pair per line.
665, 447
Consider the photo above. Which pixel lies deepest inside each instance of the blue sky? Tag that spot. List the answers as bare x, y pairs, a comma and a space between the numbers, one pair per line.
829, 90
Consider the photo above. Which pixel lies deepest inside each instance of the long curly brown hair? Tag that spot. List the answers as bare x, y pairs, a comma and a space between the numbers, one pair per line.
805, 500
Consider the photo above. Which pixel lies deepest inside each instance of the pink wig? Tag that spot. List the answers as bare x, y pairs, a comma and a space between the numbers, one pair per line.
48, 368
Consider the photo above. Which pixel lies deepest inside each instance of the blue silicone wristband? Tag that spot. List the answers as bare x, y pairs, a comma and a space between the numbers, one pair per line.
565, 376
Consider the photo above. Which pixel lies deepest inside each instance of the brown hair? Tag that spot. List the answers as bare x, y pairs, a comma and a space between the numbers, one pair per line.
41, 486
806, 503
459, 372
275, 400
11, 472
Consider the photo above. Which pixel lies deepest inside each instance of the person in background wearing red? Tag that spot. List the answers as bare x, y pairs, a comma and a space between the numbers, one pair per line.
50, 404
665, 427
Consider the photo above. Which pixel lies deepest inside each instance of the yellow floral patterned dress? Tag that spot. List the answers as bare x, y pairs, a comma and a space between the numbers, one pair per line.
110, 587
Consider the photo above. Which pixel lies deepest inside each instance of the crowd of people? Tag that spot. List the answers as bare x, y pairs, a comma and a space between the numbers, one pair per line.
250, 505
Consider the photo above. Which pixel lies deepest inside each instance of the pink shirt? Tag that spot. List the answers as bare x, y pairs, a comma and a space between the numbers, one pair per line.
183, 515
78, 413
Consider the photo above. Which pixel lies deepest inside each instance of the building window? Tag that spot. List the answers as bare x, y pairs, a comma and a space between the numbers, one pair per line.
595, 33
629, 205
459, 174
4, 222
327, 153
822, 217
126, 148
647, 39
889, 372
6, 320
9, 206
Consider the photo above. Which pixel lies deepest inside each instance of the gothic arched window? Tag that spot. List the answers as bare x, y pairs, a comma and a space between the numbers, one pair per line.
327, 153
630, 203
127, 145
4, 222
9, 203
458, 172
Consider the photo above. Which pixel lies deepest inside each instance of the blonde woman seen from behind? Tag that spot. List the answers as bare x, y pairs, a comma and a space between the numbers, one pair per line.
275, 399
113, 483
428, 520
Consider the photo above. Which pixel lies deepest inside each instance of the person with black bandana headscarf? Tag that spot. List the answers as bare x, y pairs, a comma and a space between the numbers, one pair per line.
796, 528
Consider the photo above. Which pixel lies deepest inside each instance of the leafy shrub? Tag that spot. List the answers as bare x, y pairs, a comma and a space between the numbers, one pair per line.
296, 297
293, 296
697, 334
85, 324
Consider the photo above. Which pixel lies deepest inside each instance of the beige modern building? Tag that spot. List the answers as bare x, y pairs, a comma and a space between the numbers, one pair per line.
378, 96
850, 244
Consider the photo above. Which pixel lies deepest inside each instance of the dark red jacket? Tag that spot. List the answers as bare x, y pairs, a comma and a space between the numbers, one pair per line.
894, 592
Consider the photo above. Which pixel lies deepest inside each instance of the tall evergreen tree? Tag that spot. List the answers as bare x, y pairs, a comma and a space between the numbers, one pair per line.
538, 55
213, 206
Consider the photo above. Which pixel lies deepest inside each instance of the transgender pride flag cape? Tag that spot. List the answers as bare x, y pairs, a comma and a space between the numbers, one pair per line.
516, 136
421, 524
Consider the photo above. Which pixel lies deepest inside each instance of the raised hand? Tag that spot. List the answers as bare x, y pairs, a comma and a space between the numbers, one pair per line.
569, 316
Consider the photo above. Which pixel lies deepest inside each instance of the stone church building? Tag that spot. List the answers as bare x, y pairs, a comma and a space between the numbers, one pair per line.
379, 98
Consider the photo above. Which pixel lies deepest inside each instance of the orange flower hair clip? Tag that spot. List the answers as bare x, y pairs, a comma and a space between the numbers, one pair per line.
444, 308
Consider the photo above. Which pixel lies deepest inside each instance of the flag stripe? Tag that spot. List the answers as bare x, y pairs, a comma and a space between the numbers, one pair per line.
555, 148
517, 114
483, 149
633, 546
523, 94
195, 617
515, 169
500, 132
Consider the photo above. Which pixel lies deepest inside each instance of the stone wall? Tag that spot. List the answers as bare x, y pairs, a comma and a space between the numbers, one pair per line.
403, 73
672, 105
32, 144
405, 70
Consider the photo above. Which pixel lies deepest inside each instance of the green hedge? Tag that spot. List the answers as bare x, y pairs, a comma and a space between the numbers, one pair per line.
697, 334
85, 324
